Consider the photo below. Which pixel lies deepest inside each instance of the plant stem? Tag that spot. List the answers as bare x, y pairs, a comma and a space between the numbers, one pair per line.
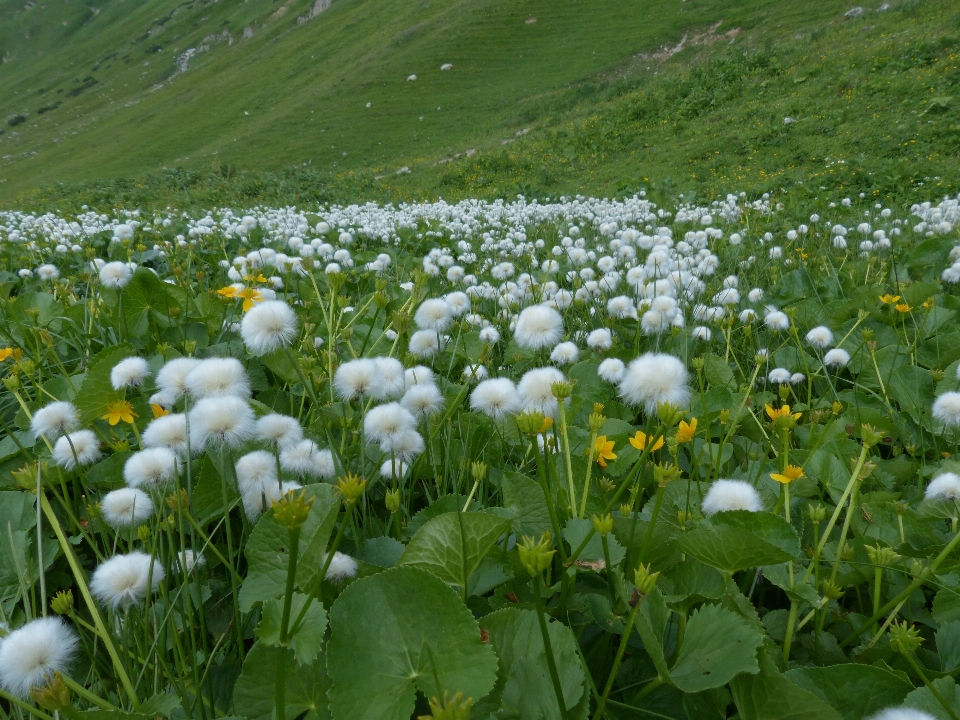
547, 649
294, 551
586, 480
926, 681
625, 638
566, 453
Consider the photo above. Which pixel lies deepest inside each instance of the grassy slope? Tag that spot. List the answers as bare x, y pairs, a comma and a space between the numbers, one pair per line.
879, 92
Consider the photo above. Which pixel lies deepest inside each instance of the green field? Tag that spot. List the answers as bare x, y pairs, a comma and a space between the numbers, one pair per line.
542, 98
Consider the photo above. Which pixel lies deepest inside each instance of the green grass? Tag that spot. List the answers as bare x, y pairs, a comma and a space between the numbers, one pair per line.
282, 116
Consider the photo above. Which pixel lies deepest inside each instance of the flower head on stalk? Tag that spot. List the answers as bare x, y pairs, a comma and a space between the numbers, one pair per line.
790, 473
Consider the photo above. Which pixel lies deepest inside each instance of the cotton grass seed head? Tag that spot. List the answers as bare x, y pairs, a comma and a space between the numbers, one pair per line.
81, 447
30, 655
392, 378
653, 379
422, 401
538, 326
497, 398
357, 379
725, 495
419, 375
125, 579
167, 431
434, 314
946, 409
299, 457
536, 390
218, 377
125, 507
612, 370
172, 377
902, 714
836, 358
342, 567
821, 337
220, 421
129, 372
945, 486
268, 326
53, 420
115, 275
383, 422
151, 468
256, 471
281, 430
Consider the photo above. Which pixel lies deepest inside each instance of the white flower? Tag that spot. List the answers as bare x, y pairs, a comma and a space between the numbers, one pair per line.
424, 343
434, 314
323, 464
612, 370
405, 445
946, 409
496, 397
125, 579
944, 487
115, 274
31, 654
268, 326
167, 431
600, 339
255, 471
779, 376
221, 420
419, 375
820, 337
393, 379
129, 372
83, 442
48, 272
838, 358
125, 507
299, 457
490, 335
150, 468
423, 400
281, 430
341, 567
777, 320
565, 353
173, 376
54, 420
384, 421
218, 377
655, 378
702, 333
726, 495
357, 378
536, 390
538, 326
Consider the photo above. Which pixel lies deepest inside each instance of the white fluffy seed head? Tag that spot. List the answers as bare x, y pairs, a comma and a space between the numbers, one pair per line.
173, 376
538, 326
393, 379
53, 420
31, 654
129, 372
836, 358
281, 430
419, 375
944, 487
612, 370
323, 464
653, 379
125, 507
115, 274
167, 431
255, 471
220, 421
268, 326
384, 421
189, 560
726, 495
423, 400
946, 409
779, 376
125, 579
902, 714
218, 377
498, 398
434, 314
258, 499
600, 339
536, 390
394, 470
424, 343
357, 379
405, 445
564, 353
820, 337
342, 567
150, 468
84, 443
777, 321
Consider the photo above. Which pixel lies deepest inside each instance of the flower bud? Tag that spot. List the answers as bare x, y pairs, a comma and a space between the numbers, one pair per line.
478, 470
530, 423
54, 696
603, 525
830, 589
816, 513
669, 414
536, 556
626, 510
904, 638
881, 557
563, 389
392, 500
870, 435
179, 501
455, 708
62, 602
291, 511
645, 580
595, 421
351, 488
665, 473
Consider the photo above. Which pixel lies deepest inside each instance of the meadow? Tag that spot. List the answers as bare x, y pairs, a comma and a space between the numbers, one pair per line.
512, 459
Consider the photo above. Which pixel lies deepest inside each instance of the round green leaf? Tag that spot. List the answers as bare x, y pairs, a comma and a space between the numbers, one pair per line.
739, 539
718, 645
397, 632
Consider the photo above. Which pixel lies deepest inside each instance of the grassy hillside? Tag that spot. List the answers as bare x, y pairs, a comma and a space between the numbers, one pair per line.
280, 102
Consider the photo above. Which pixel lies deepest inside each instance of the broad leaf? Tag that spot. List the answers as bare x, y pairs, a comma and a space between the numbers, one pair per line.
739, 539
856, 691
770, 696
452, 545
923, 699
397, 632
254, 695
308, 639
96, 392
524, 498
717, 646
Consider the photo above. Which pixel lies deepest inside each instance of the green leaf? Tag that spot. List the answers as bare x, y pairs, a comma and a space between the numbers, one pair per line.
144, 295
770, 696
382, 552
717, 372
923, 699
96, 392
524, 498
856, 691
717, 646
254, 695
397, 632
308, 639
524, 688
948, 646
577, 529
452, 545
108, 473
651, 623
161, 704
206, 502
691, 581
740, 539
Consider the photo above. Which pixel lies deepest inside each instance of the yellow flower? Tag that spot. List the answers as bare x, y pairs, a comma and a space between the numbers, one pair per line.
782, 415
121, 410
791, 473
547, 424
639, 441
158, 410
686, 431
250, 296
603, 451
228, 292
889, 299
929, 303
903, 308
5, 353
256, 278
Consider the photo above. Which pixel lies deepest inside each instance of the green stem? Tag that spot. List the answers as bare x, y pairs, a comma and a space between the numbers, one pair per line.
788, 638
625, 638
926, 681
548, 650
586, 480
846, 529
294, 550
566, 453
648, 537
